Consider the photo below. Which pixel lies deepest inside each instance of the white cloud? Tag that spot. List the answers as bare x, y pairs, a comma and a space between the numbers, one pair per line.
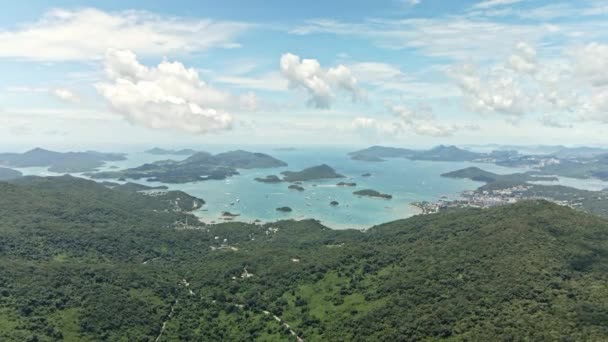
61, 93
320, 83
594, 107
375, 130
494, 3
434, 129
65, 94
498, 92
270, 81
523, 59
169, 96
86, 34
409, 115
591, 63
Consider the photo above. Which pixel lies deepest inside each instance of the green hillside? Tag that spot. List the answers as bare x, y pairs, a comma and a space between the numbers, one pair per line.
83, 262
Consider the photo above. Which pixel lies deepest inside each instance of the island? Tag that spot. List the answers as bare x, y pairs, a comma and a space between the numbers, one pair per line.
269, 179
284, 209
438, 153
229, 214
477, 174
9, 174
161, 151
334, 203
198, 167
379, 153
372, 193
59, 162
350, 184
367, 174
296, 187
323, 171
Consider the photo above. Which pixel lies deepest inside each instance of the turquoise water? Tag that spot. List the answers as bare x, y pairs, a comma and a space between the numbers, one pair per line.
408, 181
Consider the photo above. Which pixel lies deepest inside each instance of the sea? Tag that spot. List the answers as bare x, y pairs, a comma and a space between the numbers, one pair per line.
406, 180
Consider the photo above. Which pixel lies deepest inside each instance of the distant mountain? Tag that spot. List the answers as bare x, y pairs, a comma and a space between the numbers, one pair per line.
495, 180
312, 173
9, 174
378, 153
58, 161
439, 153
447, 153
198, 167
160, 151
580, 152
247, 160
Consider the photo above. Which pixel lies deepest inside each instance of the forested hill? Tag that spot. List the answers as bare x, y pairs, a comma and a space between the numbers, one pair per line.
83, 262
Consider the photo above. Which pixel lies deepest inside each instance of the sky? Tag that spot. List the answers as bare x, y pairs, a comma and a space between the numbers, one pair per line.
395, 72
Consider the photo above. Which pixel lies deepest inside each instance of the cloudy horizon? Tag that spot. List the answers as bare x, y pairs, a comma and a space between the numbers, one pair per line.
394, 72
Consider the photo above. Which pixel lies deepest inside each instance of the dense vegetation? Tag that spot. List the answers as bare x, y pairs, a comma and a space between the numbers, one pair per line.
323, 171
477, 174
9, 174
198, 167
372, 193
83, 262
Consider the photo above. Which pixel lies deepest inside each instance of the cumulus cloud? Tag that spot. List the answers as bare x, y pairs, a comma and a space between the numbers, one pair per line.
591, 63
421, 120
168, 96
499, 93
594, 106
320, 83
86, 34
523, 59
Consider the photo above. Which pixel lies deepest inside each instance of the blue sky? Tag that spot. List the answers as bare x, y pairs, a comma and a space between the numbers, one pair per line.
398, 72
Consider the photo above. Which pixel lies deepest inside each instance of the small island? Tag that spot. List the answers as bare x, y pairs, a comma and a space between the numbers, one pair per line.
372, 193
334, 203
323, 171
367, 174
229, 214
284, 209
347, 184
269, 179
296, 187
